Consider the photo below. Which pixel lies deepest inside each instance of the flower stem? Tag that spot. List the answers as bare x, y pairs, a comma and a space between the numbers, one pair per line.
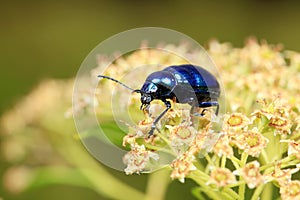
236, 162
265, 157
242, 187
210, 163
236, 184
244, 159
157, 185
164, 138
155, 148
257, 192
231, 192
287, 161
267, 192
223, 161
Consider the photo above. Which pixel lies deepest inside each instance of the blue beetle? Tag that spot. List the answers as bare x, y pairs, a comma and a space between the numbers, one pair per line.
182, 83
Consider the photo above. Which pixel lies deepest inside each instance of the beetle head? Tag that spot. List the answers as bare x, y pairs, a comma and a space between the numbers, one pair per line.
145, 100
148, 94
158, 85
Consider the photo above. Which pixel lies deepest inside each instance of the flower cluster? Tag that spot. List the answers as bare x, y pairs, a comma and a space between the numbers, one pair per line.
259, 140
251, 151
176, 135
138, 158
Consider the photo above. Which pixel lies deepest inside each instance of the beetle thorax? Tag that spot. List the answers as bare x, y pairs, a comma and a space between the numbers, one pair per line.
158, 85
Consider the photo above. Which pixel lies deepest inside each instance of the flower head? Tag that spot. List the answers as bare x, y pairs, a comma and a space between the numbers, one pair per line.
144, 126
254, 72
277, 114
235, 121
137, 159
221, 177
251, 174
290, 191
180, 114
281, 124
251, 142
282, 176
294, 148
182, 166
197, 144
181, 136
222, 146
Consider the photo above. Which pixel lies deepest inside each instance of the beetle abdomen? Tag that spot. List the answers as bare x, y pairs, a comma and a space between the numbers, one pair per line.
194, 75
200, 80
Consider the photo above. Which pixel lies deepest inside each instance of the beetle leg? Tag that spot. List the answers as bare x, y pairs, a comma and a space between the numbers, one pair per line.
203, 112
209, 104
193, 111
153, 127
199, 114
174, 99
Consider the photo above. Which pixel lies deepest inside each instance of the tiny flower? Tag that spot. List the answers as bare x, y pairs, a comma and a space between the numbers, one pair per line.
235, 121
251, 174
128, 139
262, 112
182, 166
199, 141
251, 142
274, 110
173, 117
222, 147
181, 136
221, 177
137, 159
262, 56
180, 114
282, 176
294, 148
281, 124
210, 140
183, 132
144, 127
290, 190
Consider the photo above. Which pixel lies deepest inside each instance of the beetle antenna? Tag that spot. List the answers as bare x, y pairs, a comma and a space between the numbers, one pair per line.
137, 91
112, 79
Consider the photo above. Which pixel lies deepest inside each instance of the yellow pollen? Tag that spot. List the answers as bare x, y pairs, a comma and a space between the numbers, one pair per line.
252, 172
221, 177
252, 141
235, 121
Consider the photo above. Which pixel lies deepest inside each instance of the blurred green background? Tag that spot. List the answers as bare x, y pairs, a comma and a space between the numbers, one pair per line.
50, 39
42, 39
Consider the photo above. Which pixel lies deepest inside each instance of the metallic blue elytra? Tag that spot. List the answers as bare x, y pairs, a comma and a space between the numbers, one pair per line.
182, 83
